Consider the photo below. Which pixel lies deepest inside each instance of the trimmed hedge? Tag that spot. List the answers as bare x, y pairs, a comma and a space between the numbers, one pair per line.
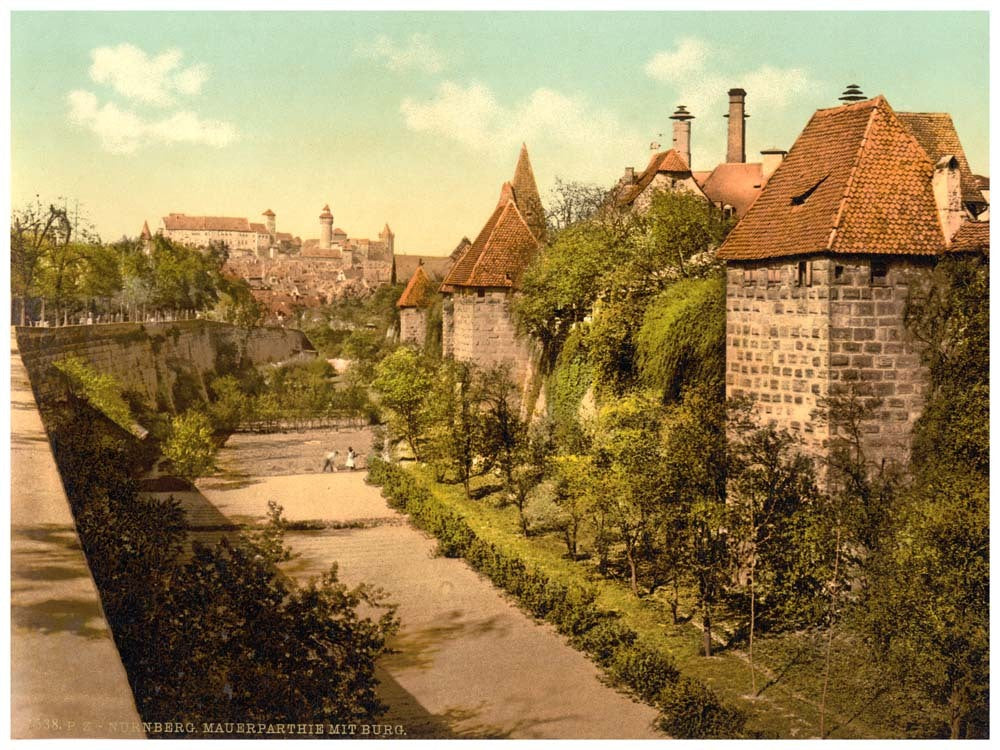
689, 708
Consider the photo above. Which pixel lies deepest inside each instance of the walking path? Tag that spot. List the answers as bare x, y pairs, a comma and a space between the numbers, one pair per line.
469, 662
67, 679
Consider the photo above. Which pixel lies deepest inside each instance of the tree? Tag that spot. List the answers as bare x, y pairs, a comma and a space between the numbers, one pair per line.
573, 202
33, 231
629, 460
454, 434
695, 467
769, 483
190, 446
575, 484
403, 381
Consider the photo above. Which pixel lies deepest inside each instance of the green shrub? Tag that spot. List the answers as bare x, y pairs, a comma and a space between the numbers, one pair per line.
643, 668
605, 639
690, 710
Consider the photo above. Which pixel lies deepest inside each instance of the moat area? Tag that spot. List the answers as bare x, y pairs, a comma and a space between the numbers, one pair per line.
467, 663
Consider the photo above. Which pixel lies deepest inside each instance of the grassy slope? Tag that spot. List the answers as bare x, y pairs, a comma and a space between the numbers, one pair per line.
780, 709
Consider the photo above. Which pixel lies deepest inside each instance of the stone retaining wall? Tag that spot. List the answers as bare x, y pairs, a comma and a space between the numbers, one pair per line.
155, 360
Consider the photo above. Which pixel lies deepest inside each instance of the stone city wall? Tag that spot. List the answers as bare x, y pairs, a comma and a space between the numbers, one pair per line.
150, 358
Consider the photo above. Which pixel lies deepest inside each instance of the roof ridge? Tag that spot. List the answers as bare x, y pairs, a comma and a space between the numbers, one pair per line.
865, 140
486, 244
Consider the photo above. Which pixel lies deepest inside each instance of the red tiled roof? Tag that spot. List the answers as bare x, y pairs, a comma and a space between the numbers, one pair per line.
258, 228
268, 212
971, 237
664, 161
145, 234
501, 258
735, 184
856, 181
419, 291
937, 135
206, 223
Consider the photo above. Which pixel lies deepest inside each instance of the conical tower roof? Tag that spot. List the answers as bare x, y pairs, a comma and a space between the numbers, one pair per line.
529, 202
145, 235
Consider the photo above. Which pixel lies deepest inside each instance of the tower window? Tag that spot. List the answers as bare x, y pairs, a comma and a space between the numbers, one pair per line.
879, 272
838, 272
805, 273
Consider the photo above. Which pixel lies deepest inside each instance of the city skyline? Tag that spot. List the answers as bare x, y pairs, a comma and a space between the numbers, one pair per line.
416, 119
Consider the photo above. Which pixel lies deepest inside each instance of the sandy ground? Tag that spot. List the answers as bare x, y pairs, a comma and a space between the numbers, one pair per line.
469, 663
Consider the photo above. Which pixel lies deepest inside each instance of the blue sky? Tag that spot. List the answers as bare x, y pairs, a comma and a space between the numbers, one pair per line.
416, 118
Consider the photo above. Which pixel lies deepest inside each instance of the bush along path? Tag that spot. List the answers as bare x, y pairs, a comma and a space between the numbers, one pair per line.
688, 708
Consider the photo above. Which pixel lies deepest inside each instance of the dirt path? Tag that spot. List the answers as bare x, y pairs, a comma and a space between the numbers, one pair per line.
469, 662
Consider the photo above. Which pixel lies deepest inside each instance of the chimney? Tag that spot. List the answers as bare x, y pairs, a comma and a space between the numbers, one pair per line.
769, 161
948, 195
682, 132
736, 148
629, 176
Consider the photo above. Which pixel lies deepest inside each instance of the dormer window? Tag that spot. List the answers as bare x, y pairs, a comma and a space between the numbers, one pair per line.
801, 198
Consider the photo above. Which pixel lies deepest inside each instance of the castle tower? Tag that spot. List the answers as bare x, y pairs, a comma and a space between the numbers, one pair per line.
388, 239
269, 223
326, 228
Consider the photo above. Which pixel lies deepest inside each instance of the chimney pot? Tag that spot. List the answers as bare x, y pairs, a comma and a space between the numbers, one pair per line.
771, 159
682, 132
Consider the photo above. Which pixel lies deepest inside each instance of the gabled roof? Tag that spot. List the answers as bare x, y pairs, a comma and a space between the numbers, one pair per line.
529, 202
500, 253
258, 228
435, 266
176, 222
735, 184
419, 291
664, 161
937, 135
971, 237
856, 181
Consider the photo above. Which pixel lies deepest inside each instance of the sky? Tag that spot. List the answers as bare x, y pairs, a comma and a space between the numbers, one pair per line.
416, 119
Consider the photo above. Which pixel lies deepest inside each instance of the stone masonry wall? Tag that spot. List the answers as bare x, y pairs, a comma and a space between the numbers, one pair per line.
448, 327
485, 333
412, 325
777, 343
792, 341
150, 358
872, 353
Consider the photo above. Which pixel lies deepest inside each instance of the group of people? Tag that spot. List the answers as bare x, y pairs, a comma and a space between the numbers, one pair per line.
330, 461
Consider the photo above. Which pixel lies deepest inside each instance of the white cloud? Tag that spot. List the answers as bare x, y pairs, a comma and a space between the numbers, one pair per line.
149, 80
417, 53
565, 126
688, 58
122, 131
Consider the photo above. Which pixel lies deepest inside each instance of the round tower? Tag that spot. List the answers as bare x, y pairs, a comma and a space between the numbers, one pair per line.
326, 228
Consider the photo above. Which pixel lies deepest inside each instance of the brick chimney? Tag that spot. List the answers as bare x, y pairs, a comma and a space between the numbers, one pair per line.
736, 147
682, 133
948, 195
770, 158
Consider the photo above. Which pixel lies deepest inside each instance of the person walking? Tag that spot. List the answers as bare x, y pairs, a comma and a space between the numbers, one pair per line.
351, 455
331, 461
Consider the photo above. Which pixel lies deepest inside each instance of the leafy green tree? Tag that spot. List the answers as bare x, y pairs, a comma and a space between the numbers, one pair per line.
630, 462
190, 447
770, 482
454, 432
576, 493
34, 231
403, 381
695, 468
